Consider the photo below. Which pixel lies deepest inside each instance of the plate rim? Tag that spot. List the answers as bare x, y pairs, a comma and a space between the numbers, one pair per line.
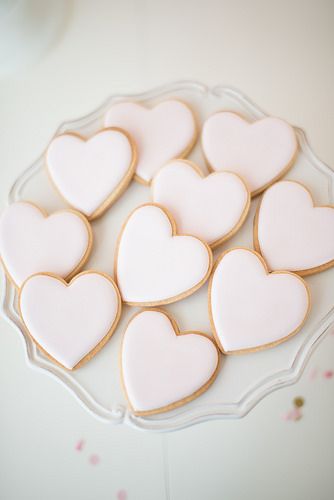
185, 417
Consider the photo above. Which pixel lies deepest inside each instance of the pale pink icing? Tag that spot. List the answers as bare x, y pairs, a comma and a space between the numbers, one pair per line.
251, 308
257, 151
87, 172
69, 321
152, 264
160, 368
207, 207
161, 133
292, 233
32, 243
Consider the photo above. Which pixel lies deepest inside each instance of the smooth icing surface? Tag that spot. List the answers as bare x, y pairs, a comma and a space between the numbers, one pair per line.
152, 264
87, 172
69, 321
257, 151
32, 243
159, 367
207, 207
292, 233
160, 133
251, 308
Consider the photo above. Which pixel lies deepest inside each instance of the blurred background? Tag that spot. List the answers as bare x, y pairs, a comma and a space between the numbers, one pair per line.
59, 60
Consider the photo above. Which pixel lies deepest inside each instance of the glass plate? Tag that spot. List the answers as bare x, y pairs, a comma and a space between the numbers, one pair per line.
243, 380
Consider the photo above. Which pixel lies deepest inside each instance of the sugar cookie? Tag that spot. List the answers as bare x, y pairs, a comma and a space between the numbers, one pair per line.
291, 232
163, 368
212, 208
162, 133
260, 152
31, 241
71, 322
91, 174
153, 264
251, 309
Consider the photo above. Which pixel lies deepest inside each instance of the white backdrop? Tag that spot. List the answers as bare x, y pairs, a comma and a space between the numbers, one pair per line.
280, 54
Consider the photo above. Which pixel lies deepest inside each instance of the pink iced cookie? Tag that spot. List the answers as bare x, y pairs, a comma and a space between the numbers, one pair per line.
70, 322
91, 174
251, 309
291, 232
260, 152
32, 241
212, 208
161, 134
153, 264
163, 368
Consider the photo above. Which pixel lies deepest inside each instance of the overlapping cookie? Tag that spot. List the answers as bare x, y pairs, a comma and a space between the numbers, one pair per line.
91, 174
251, 309
260, 152
291, 232
163, 368
156, 265
212, 208
31, 241
70, 322
162, 133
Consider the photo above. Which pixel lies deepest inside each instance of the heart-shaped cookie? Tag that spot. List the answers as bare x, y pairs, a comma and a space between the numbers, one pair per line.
291, 232
260, 152
33, 242
212, 208
161, 133
153, 264
91, 174
251, 309
70, 322
163, 368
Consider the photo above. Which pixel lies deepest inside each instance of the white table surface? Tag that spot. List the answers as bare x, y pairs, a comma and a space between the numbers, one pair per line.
280, 54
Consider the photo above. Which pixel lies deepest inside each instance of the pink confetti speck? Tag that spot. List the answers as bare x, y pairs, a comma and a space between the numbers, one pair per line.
314, 374
293, 415
80, 444
328, 374
94, 459
122, 495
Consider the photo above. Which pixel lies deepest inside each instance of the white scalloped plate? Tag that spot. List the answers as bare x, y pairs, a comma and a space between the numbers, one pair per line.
243, 380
